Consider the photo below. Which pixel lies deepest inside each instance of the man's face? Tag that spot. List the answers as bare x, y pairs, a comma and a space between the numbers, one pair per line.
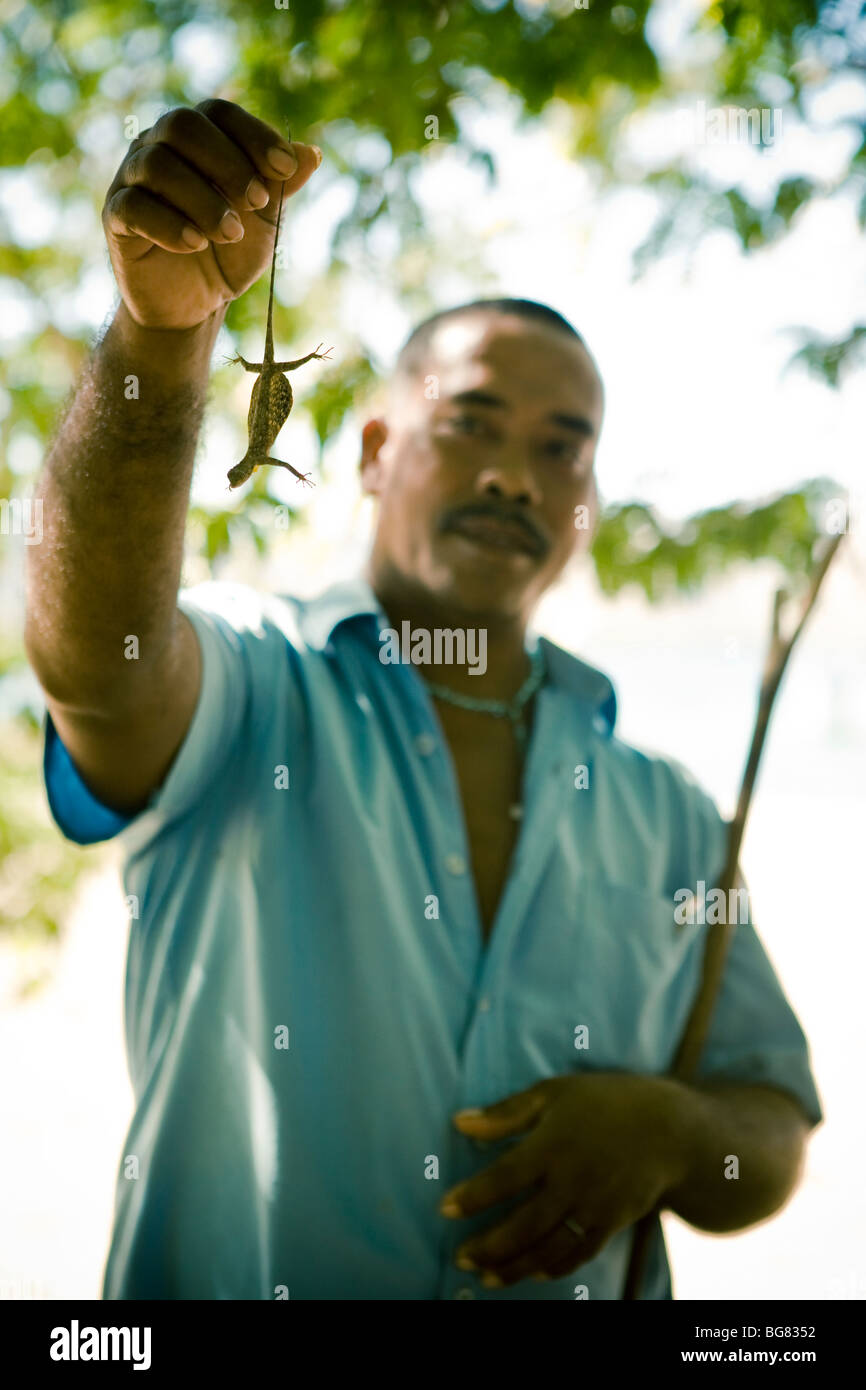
480, 463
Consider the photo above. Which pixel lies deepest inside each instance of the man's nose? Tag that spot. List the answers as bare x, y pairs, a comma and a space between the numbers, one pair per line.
511, 479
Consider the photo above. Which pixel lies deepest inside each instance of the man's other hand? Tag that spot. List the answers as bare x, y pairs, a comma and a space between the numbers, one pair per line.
602, 1149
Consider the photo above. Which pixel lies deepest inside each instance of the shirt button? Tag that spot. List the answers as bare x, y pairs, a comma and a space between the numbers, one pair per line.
465, 1293
455, 863
425, 744
484, 1003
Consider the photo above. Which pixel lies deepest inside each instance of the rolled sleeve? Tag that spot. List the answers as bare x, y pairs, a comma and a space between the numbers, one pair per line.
78, 814
754, 1034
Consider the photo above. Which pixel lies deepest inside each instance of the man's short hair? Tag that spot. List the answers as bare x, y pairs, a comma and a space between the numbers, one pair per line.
413, 353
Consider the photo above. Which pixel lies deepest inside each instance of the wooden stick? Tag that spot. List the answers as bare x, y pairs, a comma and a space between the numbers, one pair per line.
719, 935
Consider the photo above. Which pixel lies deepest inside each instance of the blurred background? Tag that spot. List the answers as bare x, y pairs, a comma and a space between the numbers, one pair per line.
687, 183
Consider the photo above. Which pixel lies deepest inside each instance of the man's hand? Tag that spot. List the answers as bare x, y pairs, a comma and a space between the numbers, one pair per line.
190, 214
602, 1148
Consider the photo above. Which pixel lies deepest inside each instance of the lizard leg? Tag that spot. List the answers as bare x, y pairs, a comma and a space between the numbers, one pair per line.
248, 366
290, 366
304, 477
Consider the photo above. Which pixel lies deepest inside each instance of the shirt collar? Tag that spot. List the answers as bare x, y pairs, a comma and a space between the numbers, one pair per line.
350, 598
354, 598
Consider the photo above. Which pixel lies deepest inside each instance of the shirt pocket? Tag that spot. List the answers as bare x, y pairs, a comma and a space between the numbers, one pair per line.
636, 974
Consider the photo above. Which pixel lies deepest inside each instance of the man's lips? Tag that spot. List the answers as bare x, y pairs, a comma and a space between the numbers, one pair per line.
497, 532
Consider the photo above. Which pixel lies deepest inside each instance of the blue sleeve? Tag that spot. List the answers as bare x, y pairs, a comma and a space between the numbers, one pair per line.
754, 1034
241, 645
80, 815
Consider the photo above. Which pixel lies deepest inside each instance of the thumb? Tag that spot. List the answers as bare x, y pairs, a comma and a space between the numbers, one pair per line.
507, 1116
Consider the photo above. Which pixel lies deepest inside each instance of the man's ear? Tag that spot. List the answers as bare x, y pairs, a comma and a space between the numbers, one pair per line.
373, 436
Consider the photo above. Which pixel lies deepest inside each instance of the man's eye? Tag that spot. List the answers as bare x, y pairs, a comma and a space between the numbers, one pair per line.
563, 449
571, 456
466, 424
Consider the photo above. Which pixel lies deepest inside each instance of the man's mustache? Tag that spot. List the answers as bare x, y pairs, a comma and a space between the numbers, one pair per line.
511, 516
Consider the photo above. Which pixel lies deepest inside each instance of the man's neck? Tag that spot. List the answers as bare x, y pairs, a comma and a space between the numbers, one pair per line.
506, 663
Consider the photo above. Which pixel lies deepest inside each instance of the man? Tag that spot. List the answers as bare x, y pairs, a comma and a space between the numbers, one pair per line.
373, 886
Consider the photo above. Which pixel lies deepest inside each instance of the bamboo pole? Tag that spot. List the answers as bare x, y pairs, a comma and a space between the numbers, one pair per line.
719, 936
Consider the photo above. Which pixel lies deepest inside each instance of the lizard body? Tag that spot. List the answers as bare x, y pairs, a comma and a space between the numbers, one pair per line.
272, 397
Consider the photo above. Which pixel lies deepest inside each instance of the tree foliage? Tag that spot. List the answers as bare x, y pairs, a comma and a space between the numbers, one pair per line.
369, 82
381, 87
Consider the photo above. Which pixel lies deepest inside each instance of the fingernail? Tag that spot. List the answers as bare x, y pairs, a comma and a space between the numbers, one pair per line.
468, 1114
541, 1278
318, 153
464, 1262
449, 1208
257, 195
231, 226
492, 1281
283, 160
193, 237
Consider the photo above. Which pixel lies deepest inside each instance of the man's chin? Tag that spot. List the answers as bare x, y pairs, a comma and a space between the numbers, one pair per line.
478, 582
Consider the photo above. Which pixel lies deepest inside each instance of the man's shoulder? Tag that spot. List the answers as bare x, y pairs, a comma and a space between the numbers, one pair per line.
253, 615
241, 606
661, 777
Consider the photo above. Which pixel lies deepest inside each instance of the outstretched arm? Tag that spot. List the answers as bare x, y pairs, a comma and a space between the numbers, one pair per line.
189, 224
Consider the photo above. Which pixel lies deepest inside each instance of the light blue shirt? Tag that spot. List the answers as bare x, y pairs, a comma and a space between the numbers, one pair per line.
309, 997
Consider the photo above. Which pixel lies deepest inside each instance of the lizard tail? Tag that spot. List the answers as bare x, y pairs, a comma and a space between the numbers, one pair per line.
269, 337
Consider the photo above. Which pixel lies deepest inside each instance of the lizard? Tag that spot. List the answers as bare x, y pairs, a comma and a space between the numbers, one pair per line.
272, 397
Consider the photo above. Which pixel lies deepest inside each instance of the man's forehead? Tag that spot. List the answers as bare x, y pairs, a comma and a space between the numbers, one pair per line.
469, 352
487, 336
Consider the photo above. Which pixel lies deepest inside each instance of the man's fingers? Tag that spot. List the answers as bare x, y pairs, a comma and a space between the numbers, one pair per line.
160, 171
556, 1255
522, 1229
309, 158
207, 165
204, 147
133, 212
272, 154
508, 1176
518, 1112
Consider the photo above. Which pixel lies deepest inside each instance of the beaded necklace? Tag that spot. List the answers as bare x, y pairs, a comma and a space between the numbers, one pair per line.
501, 709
